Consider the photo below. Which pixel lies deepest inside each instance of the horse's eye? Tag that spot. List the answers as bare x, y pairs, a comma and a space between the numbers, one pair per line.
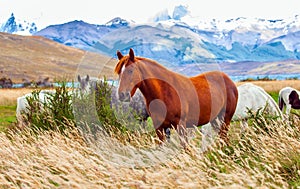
130, 71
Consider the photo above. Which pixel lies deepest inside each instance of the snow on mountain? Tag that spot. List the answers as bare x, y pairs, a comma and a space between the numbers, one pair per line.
179, 12
177, 38
169, 45
185, 41
290, 41
80, 34
117, 22
233, 40
16, 26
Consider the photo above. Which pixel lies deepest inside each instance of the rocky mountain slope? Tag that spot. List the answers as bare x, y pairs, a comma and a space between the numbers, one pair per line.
33, 58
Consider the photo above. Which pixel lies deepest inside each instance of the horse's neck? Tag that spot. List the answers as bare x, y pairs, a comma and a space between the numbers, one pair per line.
156, 79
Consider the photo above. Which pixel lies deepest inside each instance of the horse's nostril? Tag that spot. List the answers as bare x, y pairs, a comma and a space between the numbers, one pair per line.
124, 96
127, 97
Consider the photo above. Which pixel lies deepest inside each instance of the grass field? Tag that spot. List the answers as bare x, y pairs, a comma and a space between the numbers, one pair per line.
265, 155
7, 116
8, 104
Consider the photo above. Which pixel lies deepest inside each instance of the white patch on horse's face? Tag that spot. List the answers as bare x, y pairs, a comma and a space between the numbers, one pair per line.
123, 68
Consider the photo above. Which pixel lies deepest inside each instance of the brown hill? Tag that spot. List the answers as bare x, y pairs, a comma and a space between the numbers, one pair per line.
35, 58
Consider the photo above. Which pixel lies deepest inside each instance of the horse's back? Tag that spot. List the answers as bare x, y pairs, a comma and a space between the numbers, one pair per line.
217, 92
253, 97
285, 92
214, 80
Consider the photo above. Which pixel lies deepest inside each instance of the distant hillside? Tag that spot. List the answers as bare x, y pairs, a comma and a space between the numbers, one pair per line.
34, 58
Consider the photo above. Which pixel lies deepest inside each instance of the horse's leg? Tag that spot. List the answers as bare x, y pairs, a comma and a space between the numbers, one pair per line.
221, 125
208, 135
288, 109
226, 125
168, 134
224, 131
181, 130
161, 135
216, 124
281, 103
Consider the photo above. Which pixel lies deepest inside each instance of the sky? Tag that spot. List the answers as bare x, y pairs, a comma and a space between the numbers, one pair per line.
48, 12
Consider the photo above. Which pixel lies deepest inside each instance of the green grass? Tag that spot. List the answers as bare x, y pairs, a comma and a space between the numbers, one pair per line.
274, 95
7, 116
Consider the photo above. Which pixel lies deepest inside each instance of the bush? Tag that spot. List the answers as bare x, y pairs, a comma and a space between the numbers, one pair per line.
91, 115
54, 113
106, 113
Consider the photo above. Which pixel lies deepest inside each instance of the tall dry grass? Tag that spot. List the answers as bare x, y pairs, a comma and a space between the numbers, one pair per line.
255, 159
266, 154
275, 86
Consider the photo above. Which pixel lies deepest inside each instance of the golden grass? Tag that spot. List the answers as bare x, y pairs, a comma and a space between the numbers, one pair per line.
9, 97
254, 159
275, 86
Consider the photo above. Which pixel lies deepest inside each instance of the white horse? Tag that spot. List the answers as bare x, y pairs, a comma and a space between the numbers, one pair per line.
289, 98
250, 97
22, 103
253, 97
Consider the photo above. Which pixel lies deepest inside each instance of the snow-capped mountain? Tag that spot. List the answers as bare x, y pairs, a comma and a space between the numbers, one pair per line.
172, 46
117, 22
80, 34
234, 40
177, 38
16, 26
241, 39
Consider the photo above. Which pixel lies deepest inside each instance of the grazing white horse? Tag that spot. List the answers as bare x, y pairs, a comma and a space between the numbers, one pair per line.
253, 97
22, 103
289, 98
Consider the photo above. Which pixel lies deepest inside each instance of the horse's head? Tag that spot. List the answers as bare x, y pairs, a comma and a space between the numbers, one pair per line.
84, 84
294, 98
129, 75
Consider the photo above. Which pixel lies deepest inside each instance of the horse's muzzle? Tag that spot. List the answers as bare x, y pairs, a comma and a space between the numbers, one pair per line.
124, 96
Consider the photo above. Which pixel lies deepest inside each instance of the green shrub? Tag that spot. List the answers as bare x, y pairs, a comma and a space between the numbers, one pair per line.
93, 112
261, 120
55, 113
106, 114
91, 115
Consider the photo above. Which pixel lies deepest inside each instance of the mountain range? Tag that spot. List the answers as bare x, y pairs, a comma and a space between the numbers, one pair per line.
180, 40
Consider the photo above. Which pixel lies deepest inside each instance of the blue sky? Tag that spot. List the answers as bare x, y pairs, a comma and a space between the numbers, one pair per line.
46, 12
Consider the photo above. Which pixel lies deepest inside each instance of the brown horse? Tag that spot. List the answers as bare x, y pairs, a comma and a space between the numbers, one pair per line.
176, 101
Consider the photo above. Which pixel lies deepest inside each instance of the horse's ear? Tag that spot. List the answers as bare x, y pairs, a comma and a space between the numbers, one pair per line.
78, 78
119, 54
131, 54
